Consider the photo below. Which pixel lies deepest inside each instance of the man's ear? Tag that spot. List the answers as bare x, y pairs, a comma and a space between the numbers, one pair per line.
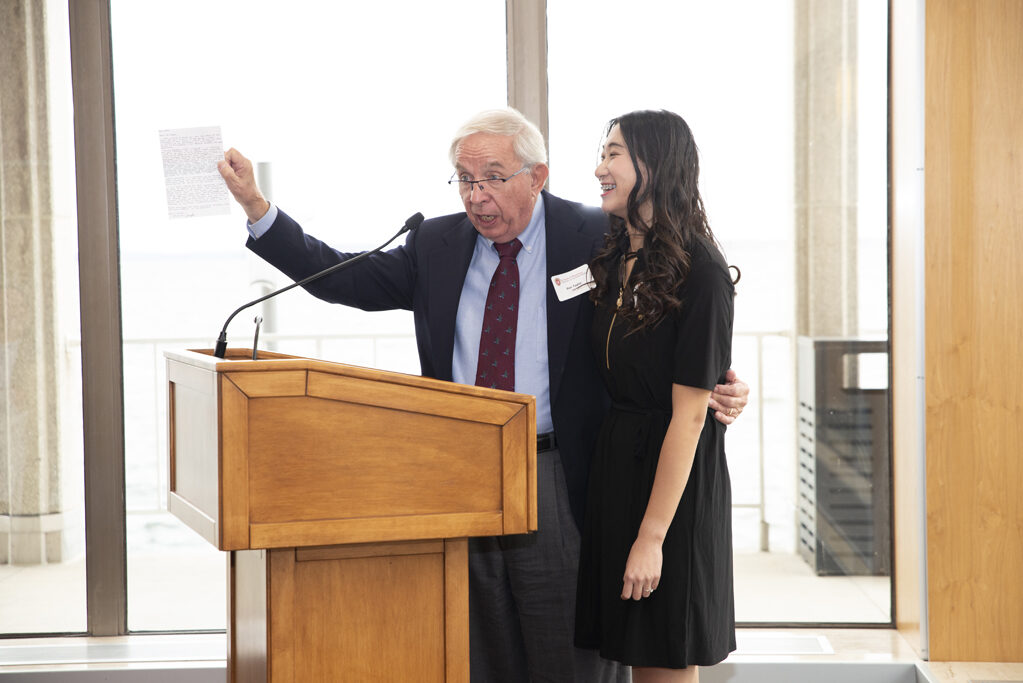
539, 175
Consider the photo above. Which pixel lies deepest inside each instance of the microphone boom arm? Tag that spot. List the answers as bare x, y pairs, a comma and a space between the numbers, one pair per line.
221, 349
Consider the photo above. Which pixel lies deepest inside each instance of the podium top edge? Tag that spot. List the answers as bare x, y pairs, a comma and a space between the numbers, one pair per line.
240, 360
236, 358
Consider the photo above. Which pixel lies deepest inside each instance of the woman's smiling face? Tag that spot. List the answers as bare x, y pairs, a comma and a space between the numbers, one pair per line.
616, 174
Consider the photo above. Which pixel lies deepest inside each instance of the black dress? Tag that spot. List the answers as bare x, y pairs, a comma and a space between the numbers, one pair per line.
690, 618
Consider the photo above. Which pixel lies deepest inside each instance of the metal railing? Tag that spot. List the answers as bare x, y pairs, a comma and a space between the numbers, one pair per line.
152, 348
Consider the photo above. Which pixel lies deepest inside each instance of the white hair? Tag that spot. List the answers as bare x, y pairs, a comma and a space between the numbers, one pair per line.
528, 140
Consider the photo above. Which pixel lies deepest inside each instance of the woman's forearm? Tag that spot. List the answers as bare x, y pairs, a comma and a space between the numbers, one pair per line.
689, 411
643, 566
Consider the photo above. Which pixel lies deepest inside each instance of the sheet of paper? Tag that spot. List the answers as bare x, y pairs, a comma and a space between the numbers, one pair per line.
194, 185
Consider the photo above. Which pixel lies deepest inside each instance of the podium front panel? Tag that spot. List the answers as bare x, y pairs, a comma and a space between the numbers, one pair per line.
312, 453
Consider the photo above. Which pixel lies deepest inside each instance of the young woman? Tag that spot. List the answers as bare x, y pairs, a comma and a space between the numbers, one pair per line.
655, 576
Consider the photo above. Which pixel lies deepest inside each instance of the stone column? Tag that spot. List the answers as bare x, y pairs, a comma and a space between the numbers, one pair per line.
826, 167
31, 520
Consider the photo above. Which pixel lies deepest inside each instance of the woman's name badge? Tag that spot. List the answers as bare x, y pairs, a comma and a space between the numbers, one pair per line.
573, 283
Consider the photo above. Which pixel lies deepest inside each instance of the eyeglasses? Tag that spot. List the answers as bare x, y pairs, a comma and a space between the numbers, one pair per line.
493, 184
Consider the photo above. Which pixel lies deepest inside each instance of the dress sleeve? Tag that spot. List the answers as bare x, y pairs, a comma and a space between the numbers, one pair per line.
703, 346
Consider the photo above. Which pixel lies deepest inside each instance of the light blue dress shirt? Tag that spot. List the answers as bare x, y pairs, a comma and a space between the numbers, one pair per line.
531, 372
259, 228
531, 366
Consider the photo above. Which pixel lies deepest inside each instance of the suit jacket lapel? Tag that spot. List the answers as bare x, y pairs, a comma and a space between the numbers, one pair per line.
447, 265
567, 248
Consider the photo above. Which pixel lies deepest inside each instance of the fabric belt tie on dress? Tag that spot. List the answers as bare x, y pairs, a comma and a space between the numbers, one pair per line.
651, 416
546, 442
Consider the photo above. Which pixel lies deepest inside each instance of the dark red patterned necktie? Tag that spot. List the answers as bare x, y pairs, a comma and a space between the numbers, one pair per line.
495, 367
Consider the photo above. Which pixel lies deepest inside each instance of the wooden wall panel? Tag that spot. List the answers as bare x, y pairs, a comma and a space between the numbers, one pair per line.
974, 315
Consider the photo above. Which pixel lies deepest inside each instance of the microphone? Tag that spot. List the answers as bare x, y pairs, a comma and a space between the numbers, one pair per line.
221, 349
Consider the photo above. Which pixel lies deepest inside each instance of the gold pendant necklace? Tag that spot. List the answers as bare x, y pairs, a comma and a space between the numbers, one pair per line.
618, 304
607, 346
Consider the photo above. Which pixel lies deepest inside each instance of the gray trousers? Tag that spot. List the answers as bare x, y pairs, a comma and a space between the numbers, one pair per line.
522, 598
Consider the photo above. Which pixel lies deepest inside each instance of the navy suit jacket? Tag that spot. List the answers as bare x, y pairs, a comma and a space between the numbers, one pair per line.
425, 275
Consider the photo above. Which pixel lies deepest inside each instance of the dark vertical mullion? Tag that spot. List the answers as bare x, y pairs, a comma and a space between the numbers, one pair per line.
526, 35
99, 279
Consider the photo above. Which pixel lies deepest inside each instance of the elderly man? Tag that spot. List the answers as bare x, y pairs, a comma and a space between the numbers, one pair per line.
514, 239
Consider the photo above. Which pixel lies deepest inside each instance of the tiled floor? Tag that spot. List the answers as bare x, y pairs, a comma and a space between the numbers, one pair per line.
183, 591
781, 588
862, 645
171, 592
818, 645
769, 587
755, 646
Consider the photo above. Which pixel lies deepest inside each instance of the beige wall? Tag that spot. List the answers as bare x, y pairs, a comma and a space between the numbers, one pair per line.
973, 258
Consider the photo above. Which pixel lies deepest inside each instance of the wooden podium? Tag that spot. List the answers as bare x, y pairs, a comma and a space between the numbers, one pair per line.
345, 496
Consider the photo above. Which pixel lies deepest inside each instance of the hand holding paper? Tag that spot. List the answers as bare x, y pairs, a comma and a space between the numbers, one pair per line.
240, 177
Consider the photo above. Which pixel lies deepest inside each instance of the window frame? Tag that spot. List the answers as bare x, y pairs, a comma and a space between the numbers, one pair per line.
99, 278
99, 281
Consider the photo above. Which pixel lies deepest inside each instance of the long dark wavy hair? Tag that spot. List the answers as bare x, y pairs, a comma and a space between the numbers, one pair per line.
667, 165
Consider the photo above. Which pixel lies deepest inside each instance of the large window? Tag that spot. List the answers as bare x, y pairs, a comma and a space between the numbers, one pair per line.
348, 114
788, 102
347, 110
42, 523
